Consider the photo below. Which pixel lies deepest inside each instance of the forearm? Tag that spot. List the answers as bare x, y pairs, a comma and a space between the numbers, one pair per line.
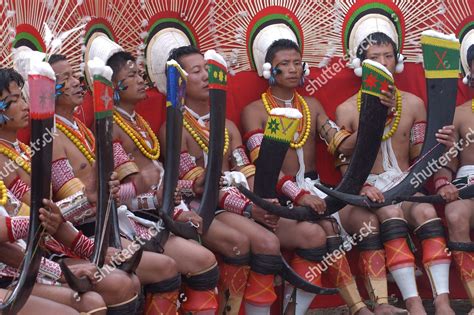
11, 254
69, 236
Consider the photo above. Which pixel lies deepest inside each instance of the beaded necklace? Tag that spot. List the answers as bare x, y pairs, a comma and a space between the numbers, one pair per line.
398, 114
16, 156
304, 126
200, 134
3, 190
133, 131
82, 138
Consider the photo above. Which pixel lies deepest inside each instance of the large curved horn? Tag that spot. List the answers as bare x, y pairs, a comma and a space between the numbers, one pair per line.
293, 278
464, 193
441, 84
217, 98
41, 91
217, 70
175, 94
176, 88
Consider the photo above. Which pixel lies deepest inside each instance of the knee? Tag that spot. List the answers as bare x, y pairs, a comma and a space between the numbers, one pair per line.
117, 288
267, 243
168, 267
311, 235
389, 212
203, 260
454, 218
91, 301
370, 225
239, 244
424, 213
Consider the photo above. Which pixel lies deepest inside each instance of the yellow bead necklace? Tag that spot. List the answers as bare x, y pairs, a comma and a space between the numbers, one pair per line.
130, 129
17, 157
398, 114
83, 139
304, 127
3, 190
199, 133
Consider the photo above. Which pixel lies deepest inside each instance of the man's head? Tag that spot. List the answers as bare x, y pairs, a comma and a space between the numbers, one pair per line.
284, 55
470, 62
71, 93
127, 76
13, 106
381, 48
192, 61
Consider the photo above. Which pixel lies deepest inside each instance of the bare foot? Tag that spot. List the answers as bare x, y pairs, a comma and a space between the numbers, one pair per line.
471, 312
364, 311
415, 306
387, 309
442, 306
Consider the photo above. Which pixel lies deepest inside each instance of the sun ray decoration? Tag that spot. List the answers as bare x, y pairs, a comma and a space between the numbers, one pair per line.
50, 26
314, 20
418, 16
455, 12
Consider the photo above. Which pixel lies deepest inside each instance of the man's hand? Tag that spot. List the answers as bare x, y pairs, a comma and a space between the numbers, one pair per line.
84, 269
314, 202
372, 193
388, 98
50, 219
191, 217
446, 136
449, 192
114, 187
262, 216
111, 252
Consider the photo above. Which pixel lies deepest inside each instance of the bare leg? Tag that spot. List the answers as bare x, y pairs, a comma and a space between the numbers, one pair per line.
261, 241
460, 220
154, 267
89, 301
372, 258
419, 215
191, 258
34, 303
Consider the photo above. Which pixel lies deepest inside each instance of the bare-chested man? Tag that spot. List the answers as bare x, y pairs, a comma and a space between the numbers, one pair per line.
401, 145
136, 151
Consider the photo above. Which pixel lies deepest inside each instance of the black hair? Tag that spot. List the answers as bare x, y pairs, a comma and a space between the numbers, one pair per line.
118, 60
470, 55
7, 76
183, 51
377, 38
56, 58
279, 45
